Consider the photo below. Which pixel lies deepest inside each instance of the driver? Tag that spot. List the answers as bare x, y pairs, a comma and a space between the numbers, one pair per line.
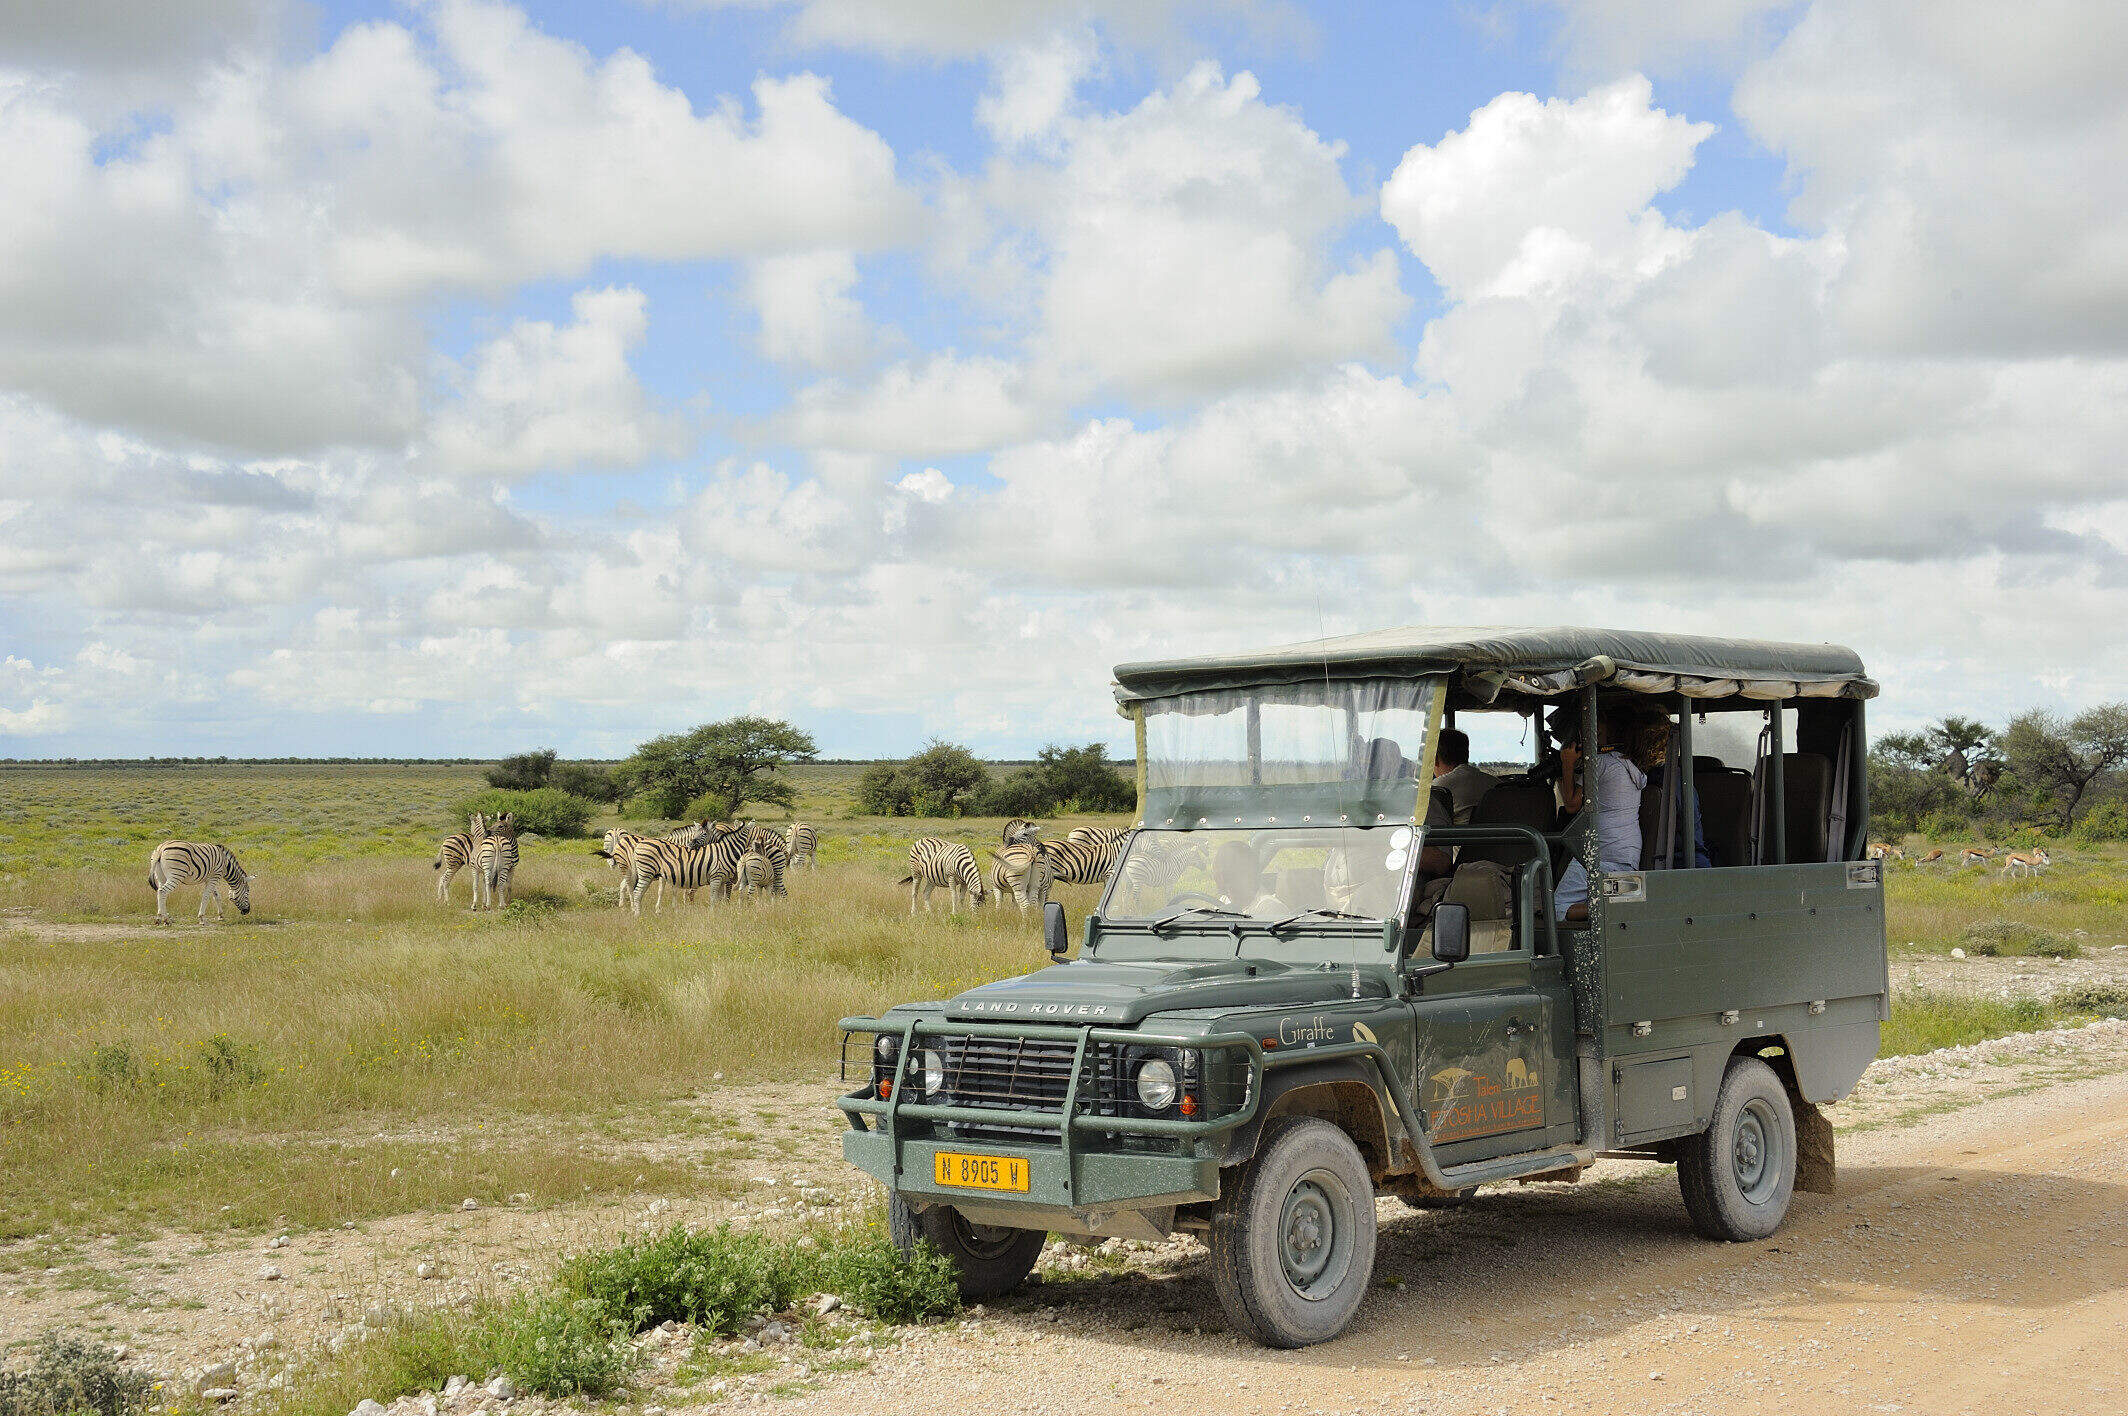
1239, 878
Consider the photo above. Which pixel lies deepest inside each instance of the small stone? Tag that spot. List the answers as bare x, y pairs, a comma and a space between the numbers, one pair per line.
269, 1272
1957, 953
454, 1385
347, 1224
366, 1407
427, 1270
1655, 1376
221, 1374
278, 1241
522, 1197
426, 1406
469, 1203
824, 1303
395, 1172
502, 1389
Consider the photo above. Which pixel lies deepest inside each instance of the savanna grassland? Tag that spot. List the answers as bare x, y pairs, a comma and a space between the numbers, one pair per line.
353, 1048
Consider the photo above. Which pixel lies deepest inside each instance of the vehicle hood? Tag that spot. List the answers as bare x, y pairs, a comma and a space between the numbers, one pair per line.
1120, 994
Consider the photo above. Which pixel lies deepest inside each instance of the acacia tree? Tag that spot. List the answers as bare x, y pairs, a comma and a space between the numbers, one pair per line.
2058, 761
729, 763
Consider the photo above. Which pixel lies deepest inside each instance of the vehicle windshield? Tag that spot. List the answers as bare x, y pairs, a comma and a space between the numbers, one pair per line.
1333, 752
1266, 875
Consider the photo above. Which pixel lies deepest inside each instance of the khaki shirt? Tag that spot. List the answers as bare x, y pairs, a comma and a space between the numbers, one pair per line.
1465, 785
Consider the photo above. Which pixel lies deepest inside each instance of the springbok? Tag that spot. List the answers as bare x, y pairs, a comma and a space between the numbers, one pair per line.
2026, 862
1885, 850
1975, 855
1932, 857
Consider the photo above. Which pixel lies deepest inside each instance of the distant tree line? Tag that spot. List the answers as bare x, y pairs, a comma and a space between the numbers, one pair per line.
946, 779
2064, 776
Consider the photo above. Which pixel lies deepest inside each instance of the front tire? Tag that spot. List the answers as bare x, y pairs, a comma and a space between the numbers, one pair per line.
1738, 1175
988, 1262
1293, 1238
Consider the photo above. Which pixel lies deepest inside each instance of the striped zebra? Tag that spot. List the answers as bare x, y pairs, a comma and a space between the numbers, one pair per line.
494, 862
1022, 871
803, 843
1019, 829
932, 863
755, 873
619, 852
1096, 835
1084, 862
456, 854
746, 836
711, 862
176, 863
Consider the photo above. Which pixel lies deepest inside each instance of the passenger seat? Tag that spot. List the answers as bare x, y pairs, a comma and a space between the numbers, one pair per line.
1807, 779
1487, 871
1725, 806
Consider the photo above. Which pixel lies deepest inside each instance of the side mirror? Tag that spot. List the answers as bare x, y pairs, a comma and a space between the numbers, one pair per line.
1451, 933
1054, 935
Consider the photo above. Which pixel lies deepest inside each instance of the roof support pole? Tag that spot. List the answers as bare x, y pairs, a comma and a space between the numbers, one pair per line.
1777, 782
1688, 795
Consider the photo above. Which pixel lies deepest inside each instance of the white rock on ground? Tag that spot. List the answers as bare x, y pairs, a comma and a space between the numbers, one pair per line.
366, 1407
427, 1270
278, 1241
502, 1389
269, 1272
469, 1203
221, 1374
454, 1385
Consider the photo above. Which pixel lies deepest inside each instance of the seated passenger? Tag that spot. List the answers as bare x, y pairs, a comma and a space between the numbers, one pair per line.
1453, 773
1619, 783
1238, 876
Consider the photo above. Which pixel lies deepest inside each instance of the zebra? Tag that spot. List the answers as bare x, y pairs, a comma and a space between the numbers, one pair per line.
1084, 862
746, 836
619, 852
1019, 829
803, 843
755, 872
932, 863
456, 854
176, 863
1023, 872
494, 862
712, 862
1096, 835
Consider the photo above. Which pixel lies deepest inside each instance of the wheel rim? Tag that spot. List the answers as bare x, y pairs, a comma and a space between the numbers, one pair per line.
1315, 1235
1757, 1152
983, 1241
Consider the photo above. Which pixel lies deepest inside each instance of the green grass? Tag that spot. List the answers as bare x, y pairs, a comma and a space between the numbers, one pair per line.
1924, 1021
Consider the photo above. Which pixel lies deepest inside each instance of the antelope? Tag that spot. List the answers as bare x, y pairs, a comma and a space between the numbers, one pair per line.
1975, 855
1885, 850
1932, 857
2025, 862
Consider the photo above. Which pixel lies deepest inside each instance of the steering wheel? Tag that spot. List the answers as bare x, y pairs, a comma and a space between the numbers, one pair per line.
1199, 896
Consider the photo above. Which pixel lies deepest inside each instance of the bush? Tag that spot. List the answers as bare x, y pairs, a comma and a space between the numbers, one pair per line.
883, 791
546, 812
1021, 794
1945, 826
2009, 938
72, 1377
715, 1277
559, 1346
2108, 821
526, 772
866, 1270
585, 779
2106, 1000
710, 806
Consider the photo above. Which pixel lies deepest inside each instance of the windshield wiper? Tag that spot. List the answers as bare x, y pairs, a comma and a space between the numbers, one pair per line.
1160, 925
1290, 920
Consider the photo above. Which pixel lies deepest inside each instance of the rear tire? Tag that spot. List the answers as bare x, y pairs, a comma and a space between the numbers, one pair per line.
1293, 1238
1738, 1175
988, 1262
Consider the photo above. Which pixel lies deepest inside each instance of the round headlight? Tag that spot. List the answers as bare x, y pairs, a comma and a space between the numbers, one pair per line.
1157, 1088
934, 1072
885, 1046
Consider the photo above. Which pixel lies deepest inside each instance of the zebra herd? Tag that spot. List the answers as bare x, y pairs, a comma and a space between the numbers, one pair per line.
1024, 866
724, 857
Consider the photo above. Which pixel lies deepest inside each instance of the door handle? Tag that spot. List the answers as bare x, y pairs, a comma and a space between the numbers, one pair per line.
1514, 1027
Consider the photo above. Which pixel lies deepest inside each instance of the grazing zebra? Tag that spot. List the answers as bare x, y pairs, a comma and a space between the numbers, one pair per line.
176, 863
711, 863
803, 843
1019, 829
755, 873
2026, 862
1096, 835
933, 863
1084, 862
456, 854
1023, 872
494, 862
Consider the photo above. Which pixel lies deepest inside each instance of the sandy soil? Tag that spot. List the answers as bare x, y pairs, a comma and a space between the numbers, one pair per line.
2103, 963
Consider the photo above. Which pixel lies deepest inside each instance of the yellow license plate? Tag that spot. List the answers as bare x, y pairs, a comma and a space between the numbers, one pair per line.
979, 1172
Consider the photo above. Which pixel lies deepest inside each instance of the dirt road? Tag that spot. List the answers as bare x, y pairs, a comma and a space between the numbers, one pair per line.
1972, 1262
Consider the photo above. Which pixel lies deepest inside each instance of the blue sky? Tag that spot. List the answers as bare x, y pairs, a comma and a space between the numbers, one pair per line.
439, 378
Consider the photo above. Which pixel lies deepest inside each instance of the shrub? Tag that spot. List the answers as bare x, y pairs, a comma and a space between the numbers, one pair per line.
710, 806
588, 780
2107, 1000
555, 1345
1923, 1021
72, 1377
1945, 826
526, 772
715, 1277
865, 1269
2108, 821
546, 812
1021, 794
2009, 938
884, 791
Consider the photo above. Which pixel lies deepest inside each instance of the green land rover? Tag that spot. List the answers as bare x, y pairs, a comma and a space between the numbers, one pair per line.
1306, 984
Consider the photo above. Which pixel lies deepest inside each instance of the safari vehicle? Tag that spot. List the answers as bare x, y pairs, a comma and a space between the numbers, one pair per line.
1279, 1010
